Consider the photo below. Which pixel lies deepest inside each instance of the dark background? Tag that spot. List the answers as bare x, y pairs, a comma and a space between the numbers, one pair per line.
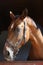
35, 10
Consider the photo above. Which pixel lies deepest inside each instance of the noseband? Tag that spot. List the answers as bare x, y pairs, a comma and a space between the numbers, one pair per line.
15, 46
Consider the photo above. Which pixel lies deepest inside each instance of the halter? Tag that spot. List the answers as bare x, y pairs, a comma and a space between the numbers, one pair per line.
15, 46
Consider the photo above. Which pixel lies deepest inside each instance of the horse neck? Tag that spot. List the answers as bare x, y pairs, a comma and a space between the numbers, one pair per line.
36, 38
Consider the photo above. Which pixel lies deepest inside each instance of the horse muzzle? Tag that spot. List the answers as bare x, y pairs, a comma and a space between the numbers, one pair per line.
10, 52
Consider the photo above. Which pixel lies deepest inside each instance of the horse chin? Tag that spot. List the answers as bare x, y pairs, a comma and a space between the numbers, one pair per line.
9, 59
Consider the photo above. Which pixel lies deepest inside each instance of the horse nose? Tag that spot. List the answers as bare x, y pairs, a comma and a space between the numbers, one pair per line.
7, 53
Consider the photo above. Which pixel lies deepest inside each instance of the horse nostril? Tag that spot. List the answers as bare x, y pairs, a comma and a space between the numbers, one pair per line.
8, 53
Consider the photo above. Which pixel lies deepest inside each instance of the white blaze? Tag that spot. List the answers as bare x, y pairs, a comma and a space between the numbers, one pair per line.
12, 25
10, 51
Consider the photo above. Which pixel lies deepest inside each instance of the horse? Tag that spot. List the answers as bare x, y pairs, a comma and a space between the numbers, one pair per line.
21, 30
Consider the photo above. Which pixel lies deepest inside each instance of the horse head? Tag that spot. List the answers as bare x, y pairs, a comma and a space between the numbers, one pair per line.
18, 35
20, 31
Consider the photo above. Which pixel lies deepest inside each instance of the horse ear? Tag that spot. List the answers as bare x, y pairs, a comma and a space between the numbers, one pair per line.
12, 16
24, 13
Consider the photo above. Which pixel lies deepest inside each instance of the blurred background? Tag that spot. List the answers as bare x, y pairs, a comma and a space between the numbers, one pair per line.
35, 10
